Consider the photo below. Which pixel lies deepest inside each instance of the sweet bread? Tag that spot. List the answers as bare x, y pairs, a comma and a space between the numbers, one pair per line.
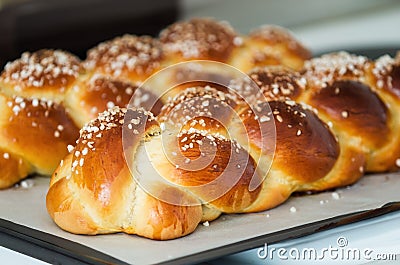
152, 158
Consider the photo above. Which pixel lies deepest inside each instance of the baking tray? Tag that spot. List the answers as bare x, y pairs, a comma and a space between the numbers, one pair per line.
371, 52
26, 227
24, 217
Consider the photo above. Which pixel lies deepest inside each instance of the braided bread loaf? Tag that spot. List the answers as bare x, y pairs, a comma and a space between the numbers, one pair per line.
46, 96
216, 148
313, 127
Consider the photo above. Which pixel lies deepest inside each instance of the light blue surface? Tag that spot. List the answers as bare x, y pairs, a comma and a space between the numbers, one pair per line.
381, 235
369, 238
8, 256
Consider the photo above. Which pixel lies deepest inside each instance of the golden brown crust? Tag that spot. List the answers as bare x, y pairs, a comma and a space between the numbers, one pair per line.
66, 211
274, 45
99, 93
351, 106
231, 167
350, 159
14, 168
279, 83
273, 82
306, 150
275, 35
198, 38
348, 169
196, 103
259, 127
37, 131
348, 90
159, 220
202, 115
87, 198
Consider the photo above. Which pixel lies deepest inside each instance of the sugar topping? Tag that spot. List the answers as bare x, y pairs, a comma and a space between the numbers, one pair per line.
275, 83
193, 138
98, 83
70, 148
139, 54
36, 112
94, 130
200, 38
112, 92
111, 118
335, 195
247, 90
18, 104
293, 115
324, 70
27, 183
382, 68
196, 102
141, 97
105, 121
272, 33
6, 155
41, 68
397, 162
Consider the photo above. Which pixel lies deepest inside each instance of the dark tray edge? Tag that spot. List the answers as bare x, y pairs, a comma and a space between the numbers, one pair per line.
53, 249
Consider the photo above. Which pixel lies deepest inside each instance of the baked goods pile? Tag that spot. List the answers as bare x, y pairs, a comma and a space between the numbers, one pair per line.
48, 95
172, 160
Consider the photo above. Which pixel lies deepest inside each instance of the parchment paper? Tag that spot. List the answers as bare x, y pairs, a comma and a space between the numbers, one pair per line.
27, 207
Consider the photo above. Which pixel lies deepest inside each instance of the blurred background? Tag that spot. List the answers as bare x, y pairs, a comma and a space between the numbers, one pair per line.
74, 25
320, 24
